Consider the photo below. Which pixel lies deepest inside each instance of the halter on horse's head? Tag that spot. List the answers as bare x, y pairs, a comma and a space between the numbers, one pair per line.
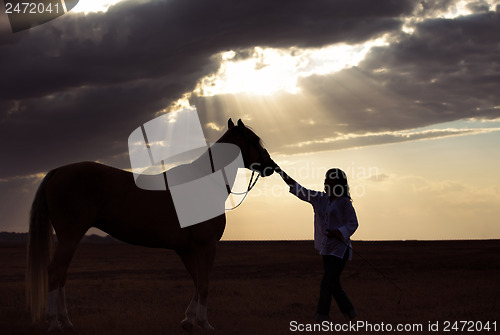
255, 157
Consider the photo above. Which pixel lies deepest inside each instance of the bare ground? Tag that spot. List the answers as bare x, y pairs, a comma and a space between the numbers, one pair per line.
261, 287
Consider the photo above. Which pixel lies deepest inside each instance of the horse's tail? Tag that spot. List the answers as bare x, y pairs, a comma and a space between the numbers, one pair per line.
39, 253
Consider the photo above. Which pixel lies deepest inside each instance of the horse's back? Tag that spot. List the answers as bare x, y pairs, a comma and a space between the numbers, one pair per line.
87, 194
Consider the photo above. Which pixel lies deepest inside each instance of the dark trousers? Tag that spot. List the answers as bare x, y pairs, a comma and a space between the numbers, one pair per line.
330, 286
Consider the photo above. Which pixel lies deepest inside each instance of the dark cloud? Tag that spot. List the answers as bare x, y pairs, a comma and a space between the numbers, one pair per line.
372, 139
74, 88
304, 124
447, 70
432, 7
149, 40
478, 6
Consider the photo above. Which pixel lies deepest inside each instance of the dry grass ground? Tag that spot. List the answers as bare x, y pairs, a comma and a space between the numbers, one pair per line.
260, 287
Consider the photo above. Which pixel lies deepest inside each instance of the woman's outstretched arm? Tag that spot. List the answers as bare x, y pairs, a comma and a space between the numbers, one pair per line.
289, 180
301, 192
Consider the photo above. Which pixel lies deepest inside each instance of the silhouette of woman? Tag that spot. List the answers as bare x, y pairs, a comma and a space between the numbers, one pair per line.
334, 222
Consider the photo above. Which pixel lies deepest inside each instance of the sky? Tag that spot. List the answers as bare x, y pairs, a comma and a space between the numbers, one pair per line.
402, 95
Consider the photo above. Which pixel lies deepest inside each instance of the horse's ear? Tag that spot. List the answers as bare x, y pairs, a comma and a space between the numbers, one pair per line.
230, 123
240, 124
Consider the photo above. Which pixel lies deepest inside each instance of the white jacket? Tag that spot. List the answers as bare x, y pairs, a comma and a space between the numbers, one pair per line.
329, 215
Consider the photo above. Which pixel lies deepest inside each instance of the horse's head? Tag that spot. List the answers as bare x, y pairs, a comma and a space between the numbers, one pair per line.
255, 157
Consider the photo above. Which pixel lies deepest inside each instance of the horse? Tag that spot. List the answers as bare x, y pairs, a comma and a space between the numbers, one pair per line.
73, 198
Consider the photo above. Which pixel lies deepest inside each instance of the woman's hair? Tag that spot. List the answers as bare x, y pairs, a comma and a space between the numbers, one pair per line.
336, 182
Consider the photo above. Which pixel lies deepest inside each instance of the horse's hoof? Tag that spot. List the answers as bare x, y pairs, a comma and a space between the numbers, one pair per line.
69, 329
55, 331
187, 325
205, 326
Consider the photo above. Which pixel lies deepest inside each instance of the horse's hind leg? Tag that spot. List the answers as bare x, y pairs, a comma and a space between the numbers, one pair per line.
57, 313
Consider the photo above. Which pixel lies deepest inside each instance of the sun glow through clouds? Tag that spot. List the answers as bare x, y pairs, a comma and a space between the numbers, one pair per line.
94, 6
268, 70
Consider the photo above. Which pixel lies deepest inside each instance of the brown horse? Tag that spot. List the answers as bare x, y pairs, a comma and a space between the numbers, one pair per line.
76, 197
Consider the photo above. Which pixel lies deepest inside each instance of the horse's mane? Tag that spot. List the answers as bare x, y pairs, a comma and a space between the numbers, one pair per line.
244, 130
254, 136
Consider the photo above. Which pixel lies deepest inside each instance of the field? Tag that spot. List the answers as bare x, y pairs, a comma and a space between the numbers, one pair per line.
261, 287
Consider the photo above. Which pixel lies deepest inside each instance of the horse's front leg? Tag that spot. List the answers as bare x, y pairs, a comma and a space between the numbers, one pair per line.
204, 262
190, 319
189, 260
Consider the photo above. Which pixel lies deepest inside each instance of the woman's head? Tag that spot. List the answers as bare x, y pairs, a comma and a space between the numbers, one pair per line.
336, 183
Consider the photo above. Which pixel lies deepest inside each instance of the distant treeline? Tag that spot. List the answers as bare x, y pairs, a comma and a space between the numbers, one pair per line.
7, 238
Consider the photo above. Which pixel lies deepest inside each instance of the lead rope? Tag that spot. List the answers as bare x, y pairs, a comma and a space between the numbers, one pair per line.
249, 188
376, 269
250, 185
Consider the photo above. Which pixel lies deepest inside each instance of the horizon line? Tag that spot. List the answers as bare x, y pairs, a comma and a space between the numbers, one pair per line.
300, 240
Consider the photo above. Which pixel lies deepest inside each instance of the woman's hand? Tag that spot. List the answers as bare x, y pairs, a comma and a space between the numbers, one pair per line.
334, 234
289, 180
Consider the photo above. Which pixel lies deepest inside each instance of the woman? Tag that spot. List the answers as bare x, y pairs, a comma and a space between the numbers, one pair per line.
334, 222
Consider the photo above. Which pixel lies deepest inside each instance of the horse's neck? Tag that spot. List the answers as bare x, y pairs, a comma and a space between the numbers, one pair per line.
205, 161
229, 138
